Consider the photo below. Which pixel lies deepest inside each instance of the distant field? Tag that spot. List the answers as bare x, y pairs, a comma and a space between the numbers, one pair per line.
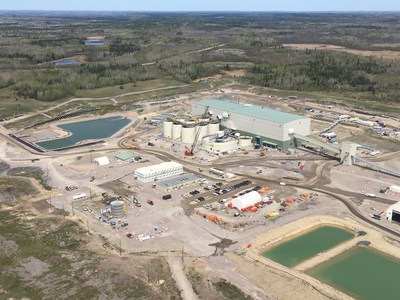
128, 88
387, 54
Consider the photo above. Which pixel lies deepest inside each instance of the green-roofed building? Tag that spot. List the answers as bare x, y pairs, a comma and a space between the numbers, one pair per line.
127, 156
268, 127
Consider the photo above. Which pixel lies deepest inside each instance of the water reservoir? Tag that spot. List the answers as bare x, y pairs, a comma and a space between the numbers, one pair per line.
87, 130
307, 245
362, 273
66, 62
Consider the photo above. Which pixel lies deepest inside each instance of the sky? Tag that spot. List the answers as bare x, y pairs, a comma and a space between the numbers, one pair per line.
203, 5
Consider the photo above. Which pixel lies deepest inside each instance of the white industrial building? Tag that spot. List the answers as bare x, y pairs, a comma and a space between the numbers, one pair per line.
246, 201
269, 127
393, 213
163, 170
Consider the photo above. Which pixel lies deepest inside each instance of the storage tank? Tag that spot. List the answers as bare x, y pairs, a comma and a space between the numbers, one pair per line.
245, 141
220, 133
188, 134
176, 131
203, 131
167, 126
213, 128
118, 209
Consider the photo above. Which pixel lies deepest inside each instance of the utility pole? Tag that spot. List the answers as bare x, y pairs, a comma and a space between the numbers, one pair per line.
182, 253
120, 248
148, 272
72, 205
87, 224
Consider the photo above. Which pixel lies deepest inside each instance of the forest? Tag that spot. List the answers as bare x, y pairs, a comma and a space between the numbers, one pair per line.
191, 46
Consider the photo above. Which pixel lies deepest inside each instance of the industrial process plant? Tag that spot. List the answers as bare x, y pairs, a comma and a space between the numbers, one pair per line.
269, 128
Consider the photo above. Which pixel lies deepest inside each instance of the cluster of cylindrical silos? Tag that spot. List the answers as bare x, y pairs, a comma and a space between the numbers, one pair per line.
187, 129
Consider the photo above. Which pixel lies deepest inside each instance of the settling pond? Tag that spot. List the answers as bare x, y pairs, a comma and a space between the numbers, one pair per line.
86, 130
307, 245
362, 273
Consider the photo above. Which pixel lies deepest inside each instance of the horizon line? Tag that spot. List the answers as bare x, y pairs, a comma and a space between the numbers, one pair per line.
208, 11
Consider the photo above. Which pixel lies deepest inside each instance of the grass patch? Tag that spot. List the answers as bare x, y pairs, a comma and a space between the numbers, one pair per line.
369, 138
137, 87
230, 291
14, 188
15, 287
87, 292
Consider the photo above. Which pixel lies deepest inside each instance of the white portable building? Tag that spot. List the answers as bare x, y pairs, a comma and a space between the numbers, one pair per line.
163, 170
102, 161
246, 201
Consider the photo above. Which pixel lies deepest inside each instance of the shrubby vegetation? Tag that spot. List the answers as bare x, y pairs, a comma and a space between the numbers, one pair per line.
171, 43
321, 71
53, 84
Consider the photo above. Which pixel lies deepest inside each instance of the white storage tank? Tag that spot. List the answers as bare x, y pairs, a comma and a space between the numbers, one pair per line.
226, 145
176, 131
203, 131
220, 133
188, 134
245, 141
213, 128
167, 126
118, 209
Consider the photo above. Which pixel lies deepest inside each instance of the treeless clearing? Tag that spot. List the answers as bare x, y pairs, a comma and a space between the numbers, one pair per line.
383, 54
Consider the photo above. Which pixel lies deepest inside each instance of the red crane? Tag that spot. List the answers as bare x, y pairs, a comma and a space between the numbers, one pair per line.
189, 152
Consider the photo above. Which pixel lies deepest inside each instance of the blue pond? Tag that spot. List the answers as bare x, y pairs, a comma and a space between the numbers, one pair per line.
86, 130
66, 62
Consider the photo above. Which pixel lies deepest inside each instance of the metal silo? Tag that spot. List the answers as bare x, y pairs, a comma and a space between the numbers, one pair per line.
213, 128
118, 209
188, 134
176, 131
167, 126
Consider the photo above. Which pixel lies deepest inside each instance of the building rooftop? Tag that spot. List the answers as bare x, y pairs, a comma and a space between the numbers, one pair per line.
251, 110
179, 180
126, 155
158, 168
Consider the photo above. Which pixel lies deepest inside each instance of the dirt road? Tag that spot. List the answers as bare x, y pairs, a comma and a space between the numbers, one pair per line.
176, 267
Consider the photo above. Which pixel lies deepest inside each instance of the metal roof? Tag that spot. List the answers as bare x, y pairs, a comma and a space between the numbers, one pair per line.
251, 111
162, 167
179, 180
126, 155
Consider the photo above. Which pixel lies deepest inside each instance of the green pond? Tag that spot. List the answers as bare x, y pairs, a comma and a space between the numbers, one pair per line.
307, 245
362, 273
87, 130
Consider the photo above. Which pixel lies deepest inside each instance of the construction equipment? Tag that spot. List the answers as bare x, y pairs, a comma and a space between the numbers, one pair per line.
189, 152
136, 201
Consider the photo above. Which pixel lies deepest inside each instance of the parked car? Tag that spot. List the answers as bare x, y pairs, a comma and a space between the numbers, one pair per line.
376, 216
150, 202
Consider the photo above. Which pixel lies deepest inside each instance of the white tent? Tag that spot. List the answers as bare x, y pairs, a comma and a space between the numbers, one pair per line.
247, 200
101, 161
393, 212
394, 188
